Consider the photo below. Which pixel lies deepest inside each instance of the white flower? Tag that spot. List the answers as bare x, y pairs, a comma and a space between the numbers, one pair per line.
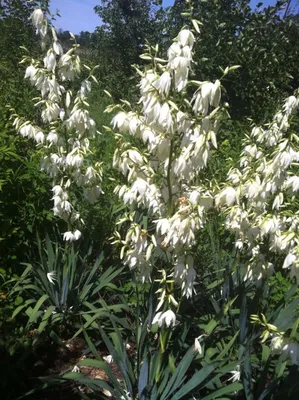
57, 190
120, 121
51, 276
168, 317
174, 51
181, 66
165, 82
90, 175
290, 104
39, 22
57, 48
236, 375
165, 116
85, 89
76, 369
188, 285
135, 156
185, 37
180, 271
194, 197
197, 345
39, 137
69, 237
77, 234
215, 94
30, 72
289, 260
163, 225
37, 17
277, 344
202, 98
228, 196
108, 359
52, 137
50, 61
293, 183
28, 131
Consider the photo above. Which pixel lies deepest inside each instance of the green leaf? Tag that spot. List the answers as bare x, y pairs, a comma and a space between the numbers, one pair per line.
35, 310
143, 376
21, 307
56, 339
94, 384
227, 347
197, 379
45, 319
233, 387
286, 316
180, 373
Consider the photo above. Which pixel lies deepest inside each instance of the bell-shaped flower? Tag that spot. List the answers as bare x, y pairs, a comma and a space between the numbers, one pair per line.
37, 17
165, 118
77, 234
39, 22
39, 137
228, 196
215, 94
57, 48
57, 190
186, 37
52, 137
289, 260
68, 237
174, 51
31, 73
165, 82
50, 61
168, 318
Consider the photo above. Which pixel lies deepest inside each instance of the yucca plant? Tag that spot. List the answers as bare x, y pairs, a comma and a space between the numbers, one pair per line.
249, 321
145, 372
63, 289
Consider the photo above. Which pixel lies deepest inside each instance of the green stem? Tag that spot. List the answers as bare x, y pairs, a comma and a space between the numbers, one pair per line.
169, 206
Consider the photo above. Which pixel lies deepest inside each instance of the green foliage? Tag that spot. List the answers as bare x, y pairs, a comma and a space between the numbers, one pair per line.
15, 31
261, 41
145, 372
62, 290
24, 191
15, 345
127, 25
224, 319
25, 198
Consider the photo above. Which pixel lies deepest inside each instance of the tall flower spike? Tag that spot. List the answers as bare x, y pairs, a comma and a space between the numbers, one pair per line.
266, 182
67, 127
175, 140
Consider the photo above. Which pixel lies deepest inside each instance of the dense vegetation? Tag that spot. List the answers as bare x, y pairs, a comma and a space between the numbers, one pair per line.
207, 312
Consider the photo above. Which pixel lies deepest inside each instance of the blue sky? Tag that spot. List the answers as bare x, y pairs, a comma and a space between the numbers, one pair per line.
78, 15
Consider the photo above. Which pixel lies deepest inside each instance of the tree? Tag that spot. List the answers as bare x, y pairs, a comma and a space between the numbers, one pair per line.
127, 24
261, 41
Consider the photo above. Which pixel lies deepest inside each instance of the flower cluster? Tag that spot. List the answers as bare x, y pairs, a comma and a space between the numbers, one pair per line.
67, 127
259, 197
176, 134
